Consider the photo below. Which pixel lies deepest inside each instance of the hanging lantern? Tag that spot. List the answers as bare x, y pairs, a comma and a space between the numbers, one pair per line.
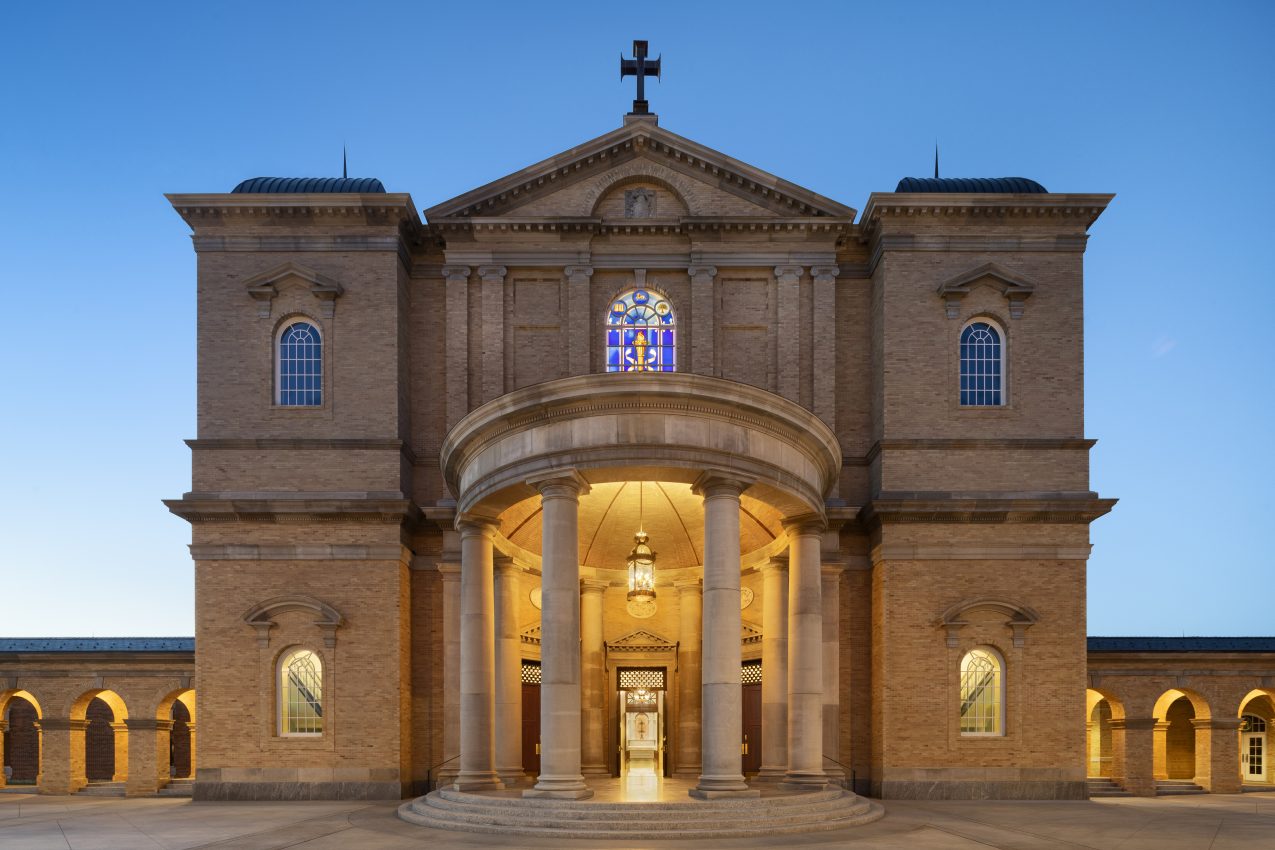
641, 561
641, 569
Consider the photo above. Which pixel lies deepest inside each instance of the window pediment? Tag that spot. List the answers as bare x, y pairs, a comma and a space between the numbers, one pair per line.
1018, 618
1015, 289
262, 617
264, 287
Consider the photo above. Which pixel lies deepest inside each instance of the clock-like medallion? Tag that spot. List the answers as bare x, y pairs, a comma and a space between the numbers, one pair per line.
641, 608
745, 597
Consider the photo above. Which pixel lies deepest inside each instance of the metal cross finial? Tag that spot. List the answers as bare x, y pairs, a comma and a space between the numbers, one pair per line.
641, 67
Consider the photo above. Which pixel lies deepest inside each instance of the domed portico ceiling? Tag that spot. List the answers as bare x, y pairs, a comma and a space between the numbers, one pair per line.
672, 515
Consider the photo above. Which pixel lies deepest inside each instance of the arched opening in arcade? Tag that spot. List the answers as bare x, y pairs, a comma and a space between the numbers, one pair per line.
20, 713
100, 738
178, 709
1257, 726
1100, 736
1177, 759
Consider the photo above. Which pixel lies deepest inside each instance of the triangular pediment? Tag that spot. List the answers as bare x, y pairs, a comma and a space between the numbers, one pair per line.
641, 641
607, 177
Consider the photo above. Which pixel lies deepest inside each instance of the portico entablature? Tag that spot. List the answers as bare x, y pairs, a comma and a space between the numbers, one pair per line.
618, 426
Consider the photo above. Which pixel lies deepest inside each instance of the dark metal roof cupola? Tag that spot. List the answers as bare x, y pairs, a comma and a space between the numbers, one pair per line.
310, 185
972, 185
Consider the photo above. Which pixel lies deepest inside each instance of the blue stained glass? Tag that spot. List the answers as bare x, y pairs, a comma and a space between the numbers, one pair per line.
641, 296
645, 314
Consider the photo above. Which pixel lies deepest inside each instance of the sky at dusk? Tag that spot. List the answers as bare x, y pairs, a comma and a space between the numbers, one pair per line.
106, 106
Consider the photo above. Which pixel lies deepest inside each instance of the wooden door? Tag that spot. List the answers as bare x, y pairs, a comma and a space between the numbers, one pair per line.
752, 727
531, 728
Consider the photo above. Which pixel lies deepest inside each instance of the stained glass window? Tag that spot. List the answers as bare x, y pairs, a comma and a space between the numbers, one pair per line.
982, 706
981, 365
640, 333
301, 693
300, 376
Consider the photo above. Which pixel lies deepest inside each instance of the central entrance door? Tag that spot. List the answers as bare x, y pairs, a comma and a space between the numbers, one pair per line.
750, 702
1253, 749
642, 733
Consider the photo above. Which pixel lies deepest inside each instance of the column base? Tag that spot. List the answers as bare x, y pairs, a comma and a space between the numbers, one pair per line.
512, 777
569, 788
802, 781
596, 770
771, 775
478, 781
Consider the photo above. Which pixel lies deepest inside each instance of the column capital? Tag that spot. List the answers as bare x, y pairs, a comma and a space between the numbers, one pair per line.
61, 724
1222, 724
456, 274
824, 274
507, 565
689, 585
470, 525
147, 724
449, 571
492, 274
716, 482
702, 274
776, 563
1134, 723
593, 585
577, 272
788, 273
805, 525
560, 484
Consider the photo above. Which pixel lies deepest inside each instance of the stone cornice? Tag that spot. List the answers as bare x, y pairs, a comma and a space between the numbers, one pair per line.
300, 444
977, 444
685, 225
230, 209
625, 144
310, 509
985, 508
926, 208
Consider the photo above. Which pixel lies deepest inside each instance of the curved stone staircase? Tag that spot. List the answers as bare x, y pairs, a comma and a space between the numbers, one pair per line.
832, 808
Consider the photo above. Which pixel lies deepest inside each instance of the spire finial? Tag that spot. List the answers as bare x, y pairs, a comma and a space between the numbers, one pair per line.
936, 160
345, 169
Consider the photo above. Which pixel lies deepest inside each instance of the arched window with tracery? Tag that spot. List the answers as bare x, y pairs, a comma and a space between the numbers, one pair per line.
299, 366
300, 693
640, 333
982, 365
982, 692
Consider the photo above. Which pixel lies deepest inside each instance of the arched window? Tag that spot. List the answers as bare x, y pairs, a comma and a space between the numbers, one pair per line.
640, 333
982, 693
300, 693
299, 372
982, 365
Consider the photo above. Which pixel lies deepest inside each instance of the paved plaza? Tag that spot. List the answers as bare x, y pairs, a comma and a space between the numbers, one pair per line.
1217, 822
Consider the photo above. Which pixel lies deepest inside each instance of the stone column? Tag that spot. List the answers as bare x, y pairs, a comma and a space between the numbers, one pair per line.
4, 727
508, 674
703, 279
119, 737
721, 773
1133, 749
61, 755
690, 604
774, 670
449, 572
190, 727
1160, 750
477, 659
788, 332
148, 760
579, 319
560, 775
592, 680
805, 657
456, 314
493, 332
831, 596
1217, 754
824, 337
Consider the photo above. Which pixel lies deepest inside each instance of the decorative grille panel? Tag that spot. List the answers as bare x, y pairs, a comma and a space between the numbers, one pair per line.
750, 673
530, 673
650, 678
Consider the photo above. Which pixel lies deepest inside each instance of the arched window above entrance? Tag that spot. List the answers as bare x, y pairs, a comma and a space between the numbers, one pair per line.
300, 693
982, 692
641, 330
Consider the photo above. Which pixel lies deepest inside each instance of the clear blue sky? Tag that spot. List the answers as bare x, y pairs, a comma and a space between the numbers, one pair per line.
108, 105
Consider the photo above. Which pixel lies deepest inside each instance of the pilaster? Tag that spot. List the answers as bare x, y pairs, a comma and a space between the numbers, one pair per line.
593, 675
1137, 771
148, 743
690, 599
824, 331
1217, 754
788, 331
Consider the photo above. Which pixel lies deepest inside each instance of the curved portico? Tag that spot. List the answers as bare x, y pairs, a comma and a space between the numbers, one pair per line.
552, 443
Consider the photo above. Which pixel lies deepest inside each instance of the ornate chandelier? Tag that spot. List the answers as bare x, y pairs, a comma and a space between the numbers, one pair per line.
641, 562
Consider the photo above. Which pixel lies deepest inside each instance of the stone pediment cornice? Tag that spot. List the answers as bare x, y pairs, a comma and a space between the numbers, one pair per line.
1075, 209
644, 139
686, 225
641, 641
230, 209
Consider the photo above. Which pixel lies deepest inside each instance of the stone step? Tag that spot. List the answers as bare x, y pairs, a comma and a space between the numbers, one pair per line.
1176, 788
178, 788
778, 815
103, 789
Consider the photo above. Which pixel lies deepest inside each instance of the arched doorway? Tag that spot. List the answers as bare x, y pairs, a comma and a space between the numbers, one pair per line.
102, 740
99, 742
1099, 740
1178, 762
1257, 722
21, 739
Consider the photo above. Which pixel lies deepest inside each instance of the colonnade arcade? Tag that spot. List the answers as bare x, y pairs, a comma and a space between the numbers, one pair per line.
736, 479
